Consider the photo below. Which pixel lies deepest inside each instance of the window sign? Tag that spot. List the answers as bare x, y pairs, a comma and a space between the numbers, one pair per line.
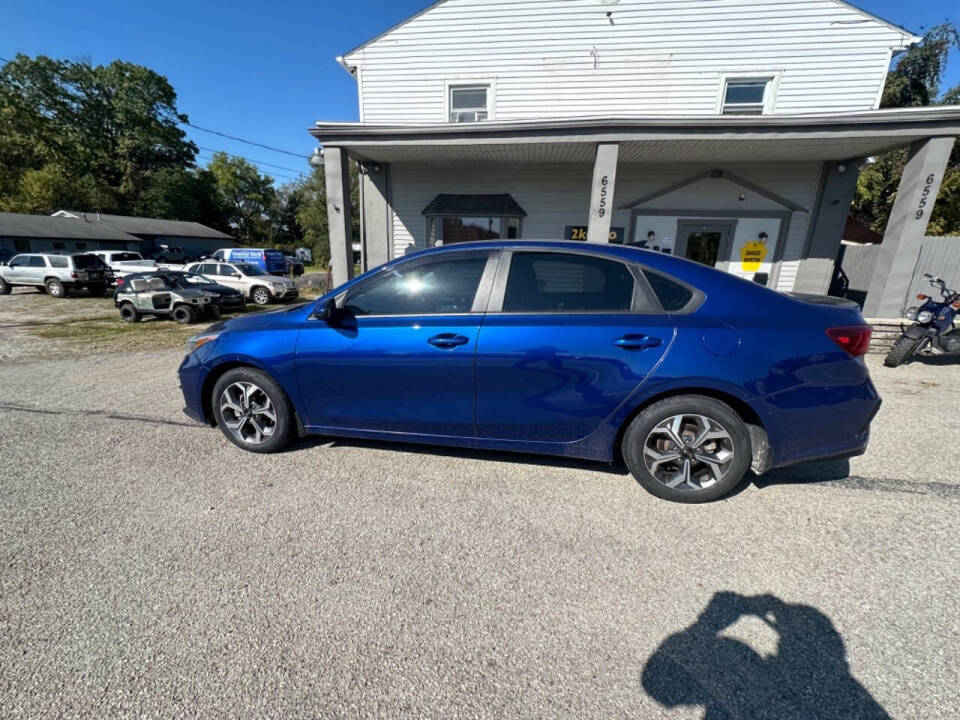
579, 232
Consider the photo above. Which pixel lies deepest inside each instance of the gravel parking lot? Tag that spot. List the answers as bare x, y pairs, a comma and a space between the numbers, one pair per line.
148, 568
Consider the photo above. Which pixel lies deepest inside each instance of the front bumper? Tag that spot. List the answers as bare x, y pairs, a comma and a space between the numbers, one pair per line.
288, 294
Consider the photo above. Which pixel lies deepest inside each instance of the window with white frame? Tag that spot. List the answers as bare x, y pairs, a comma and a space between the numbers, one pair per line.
469, 103
746, 96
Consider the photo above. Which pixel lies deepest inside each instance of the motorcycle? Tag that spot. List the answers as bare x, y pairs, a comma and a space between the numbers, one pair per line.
932, 326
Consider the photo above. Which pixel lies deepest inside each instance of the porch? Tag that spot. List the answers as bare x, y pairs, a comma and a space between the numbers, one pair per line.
765, 197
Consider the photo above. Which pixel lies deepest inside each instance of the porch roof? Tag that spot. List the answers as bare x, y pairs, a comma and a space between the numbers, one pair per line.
767, 138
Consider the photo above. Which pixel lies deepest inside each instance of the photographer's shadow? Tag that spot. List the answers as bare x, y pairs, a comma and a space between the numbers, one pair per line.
806, 676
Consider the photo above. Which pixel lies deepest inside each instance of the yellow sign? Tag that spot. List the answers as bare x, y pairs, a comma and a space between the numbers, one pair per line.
752, 255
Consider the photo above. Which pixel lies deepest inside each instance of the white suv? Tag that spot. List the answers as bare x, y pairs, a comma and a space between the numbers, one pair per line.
248, 279
54, 273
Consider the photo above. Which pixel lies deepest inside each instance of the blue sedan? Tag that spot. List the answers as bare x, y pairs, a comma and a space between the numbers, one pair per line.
692, 376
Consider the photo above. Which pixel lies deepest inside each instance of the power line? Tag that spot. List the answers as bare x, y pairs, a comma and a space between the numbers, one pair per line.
243, 157
248, 142
272, 174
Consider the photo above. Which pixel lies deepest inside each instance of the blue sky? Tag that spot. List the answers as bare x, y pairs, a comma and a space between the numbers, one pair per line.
265, 71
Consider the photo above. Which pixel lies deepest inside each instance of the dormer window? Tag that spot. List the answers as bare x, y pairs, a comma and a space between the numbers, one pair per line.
469, 103
747, 96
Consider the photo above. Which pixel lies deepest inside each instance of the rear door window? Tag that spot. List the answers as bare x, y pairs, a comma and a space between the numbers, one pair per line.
37, 261
551, 282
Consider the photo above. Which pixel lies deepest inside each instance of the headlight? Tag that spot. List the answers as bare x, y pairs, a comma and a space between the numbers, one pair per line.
910, 313
200, 340
924, 316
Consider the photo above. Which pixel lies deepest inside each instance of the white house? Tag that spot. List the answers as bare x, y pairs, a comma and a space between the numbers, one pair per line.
727, 131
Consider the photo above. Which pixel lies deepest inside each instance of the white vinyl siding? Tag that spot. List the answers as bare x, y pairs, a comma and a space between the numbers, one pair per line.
554, 196
565, 58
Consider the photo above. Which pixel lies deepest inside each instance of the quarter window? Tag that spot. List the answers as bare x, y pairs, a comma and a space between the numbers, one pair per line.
672, 295
58, 262
469, 103
441, 287
560, 282
745, 96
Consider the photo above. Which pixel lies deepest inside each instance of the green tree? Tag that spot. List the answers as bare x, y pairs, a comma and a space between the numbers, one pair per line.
915, 81
250, 199
86, 137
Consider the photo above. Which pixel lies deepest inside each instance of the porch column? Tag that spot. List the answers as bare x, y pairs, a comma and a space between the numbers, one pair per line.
919, 187
336, 170
376, 216
601, 193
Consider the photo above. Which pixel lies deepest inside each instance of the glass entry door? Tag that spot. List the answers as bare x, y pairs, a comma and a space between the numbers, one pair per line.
705, 243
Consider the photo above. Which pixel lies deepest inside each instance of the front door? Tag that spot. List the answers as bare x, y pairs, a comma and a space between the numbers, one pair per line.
572, 337
400, 356
705, 243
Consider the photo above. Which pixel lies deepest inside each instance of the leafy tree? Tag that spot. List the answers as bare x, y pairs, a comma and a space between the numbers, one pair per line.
915, 81
85, 137
249, 197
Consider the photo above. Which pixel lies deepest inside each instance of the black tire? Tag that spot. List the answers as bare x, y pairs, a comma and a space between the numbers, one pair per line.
128, 313
736, 440
183, 314
5, 288
55, 289
260, 295
283, 428
215, 311
902, 349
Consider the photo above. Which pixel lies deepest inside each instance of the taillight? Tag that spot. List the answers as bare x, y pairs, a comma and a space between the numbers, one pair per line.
74, 275
921, 296
855, 339
119, 281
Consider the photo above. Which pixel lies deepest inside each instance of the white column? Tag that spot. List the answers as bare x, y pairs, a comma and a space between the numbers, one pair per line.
336, 170
909, 217
601, 193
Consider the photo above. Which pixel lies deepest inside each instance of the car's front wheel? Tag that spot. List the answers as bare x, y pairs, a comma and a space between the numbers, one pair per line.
260, 295
687, 448
252, 410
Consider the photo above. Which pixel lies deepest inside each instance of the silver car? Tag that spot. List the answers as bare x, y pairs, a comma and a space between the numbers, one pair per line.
54, 273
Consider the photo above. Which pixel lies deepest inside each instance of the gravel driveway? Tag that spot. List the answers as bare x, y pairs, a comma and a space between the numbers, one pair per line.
150, 569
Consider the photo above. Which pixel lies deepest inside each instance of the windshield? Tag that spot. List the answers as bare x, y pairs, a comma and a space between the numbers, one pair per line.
126, 257
195, 279
248, 269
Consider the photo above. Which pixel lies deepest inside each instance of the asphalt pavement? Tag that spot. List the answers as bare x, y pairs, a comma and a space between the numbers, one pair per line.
148, 568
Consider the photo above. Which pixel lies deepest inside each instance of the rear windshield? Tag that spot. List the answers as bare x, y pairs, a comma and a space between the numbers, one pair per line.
85, 262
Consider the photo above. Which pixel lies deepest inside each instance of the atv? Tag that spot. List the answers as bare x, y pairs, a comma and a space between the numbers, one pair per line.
153, 296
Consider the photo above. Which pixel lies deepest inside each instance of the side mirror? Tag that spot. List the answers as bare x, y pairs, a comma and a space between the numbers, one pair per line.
328, 312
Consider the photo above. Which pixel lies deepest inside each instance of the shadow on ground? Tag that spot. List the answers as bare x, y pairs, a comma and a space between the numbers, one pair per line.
805, 675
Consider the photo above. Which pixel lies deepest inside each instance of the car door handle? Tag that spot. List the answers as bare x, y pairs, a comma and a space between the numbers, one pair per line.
637, 342
448, 340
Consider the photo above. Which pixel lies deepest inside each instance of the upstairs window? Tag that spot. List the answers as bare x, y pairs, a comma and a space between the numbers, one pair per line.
746, 96
469, 103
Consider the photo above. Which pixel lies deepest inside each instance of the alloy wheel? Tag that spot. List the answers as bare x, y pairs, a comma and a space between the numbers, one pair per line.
688, 452
248, 413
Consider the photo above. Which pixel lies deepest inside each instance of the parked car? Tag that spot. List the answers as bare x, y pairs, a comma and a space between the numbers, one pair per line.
154, 296
228, 298
249, 279
692, 375
294, 266
272, 262
170, 254
56, 274
124, 262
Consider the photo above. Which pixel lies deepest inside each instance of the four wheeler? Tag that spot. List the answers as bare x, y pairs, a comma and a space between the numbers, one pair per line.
153, 296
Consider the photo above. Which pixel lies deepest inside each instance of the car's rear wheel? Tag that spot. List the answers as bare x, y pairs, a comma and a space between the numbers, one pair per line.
252, 410
260, 295
55, 288
5, 288
183, 314
128, 313
687, 448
